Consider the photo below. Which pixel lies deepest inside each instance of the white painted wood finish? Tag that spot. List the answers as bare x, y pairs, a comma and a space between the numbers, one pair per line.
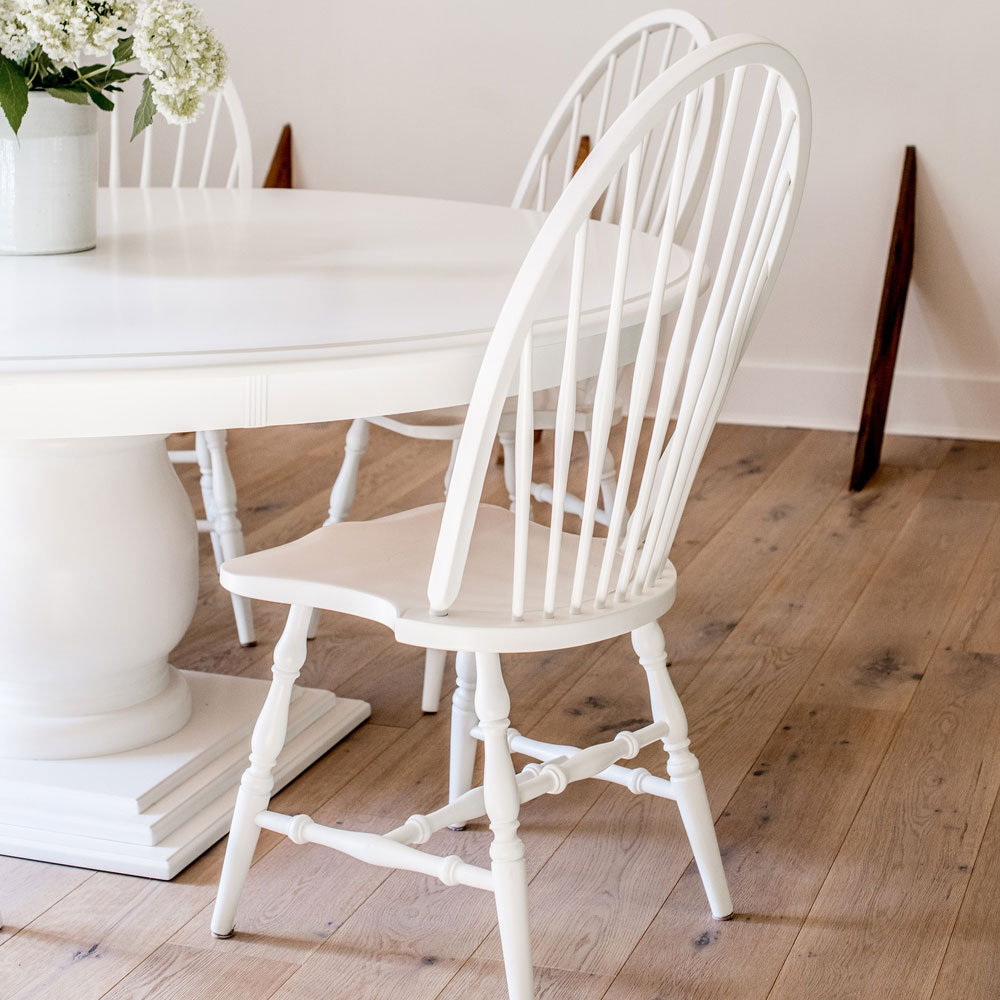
610, 80
468, 577
205, 308
197, 155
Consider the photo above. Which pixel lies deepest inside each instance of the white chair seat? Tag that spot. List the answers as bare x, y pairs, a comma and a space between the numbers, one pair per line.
378, 570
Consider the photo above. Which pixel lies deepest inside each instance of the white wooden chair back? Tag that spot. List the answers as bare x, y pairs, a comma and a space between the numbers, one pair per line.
744, 220
609, 82
214, 151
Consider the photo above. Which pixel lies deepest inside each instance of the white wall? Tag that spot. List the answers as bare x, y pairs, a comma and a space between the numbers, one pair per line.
445, 98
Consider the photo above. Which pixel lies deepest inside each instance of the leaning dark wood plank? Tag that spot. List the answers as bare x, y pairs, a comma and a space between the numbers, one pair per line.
280, 173
888, 327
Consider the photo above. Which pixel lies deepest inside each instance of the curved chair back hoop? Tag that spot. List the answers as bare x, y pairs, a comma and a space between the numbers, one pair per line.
195, 153
758, 161
610, 81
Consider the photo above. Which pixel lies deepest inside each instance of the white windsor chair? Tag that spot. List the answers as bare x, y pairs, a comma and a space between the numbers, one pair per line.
177, 168
609, 81
494, 582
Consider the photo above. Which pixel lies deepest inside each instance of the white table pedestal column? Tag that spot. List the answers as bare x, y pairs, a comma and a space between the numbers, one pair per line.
109, 757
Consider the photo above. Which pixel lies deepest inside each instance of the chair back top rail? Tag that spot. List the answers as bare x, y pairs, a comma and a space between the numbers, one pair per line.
738, 236
610, 81
194, 157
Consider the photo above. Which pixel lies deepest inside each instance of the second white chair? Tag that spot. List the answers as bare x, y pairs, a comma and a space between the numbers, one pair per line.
178, 165
611, 79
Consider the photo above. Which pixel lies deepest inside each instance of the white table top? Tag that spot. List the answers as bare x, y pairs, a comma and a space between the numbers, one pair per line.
308, 299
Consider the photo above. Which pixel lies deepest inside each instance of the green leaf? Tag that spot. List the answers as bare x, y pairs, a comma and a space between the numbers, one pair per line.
146, 111
98, 98
123, 50
13, 92
70, 96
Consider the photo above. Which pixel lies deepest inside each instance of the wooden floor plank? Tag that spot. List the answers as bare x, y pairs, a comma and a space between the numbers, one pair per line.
969, 472
485, 981
174, 973
30, 888
721, 583
775, 865
914, 571
971, 966
975, 624
814, 591
878, 656
882, 920
97, 934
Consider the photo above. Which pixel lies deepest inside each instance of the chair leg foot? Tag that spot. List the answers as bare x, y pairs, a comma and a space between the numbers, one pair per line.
226, 525
346, 483
435, 661
313, 629
510, 884
506, 439
243, 612
684, 770
258, 780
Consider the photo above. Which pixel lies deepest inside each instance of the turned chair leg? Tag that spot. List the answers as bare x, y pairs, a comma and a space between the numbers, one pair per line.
258, 780
451, 466
227, 526
463, 719
510, 879
609, 479
435, 660
683, 769
346, 483
208, 494
507, 443
344, 488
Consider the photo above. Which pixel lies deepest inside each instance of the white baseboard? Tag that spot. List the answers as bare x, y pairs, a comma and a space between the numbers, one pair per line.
949, 406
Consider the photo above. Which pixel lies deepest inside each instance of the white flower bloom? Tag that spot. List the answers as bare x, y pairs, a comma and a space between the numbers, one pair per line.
67, 29
14, 40
182, 55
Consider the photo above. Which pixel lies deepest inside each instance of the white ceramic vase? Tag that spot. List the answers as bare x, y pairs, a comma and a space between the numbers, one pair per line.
48, 178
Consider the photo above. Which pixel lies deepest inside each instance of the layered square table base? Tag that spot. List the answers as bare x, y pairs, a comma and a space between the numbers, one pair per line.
152, 811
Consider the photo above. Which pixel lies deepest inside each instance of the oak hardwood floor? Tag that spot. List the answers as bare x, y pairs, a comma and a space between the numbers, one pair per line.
839, 658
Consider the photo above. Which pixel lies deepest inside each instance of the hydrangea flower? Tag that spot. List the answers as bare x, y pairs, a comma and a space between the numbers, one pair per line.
43, 44
14, 40
182, 55
68, 29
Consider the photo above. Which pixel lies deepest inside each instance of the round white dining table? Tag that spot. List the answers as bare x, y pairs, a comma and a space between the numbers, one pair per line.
199, 310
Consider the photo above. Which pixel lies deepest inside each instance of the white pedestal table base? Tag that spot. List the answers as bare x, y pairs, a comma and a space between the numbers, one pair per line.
152, 811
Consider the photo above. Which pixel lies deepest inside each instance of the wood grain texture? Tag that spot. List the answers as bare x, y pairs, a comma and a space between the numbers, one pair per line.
814, 591
878, 656
971, 966
882, 920
30, 888
173, 972
838, 806
775, 866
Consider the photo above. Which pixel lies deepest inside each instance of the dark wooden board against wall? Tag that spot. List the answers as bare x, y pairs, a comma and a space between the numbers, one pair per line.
279, 175
868, 450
